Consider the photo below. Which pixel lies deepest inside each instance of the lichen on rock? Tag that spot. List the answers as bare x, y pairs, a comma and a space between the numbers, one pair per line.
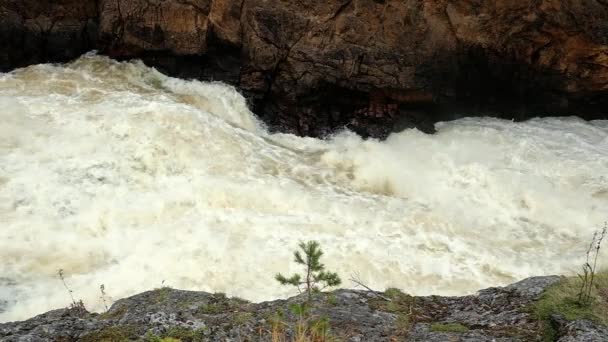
495, 314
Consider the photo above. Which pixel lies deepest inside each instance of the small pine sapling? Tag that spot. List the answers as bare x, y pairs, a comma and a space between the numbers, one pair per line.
315, 279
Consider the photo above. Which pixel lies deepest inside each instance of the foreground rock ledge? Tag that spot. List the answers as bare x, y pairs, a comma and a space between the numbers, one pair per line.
310, 67
494, 314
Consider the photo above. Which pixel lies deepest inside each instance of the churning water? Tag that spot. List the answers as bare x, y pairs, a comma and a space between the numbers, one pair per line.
122, 176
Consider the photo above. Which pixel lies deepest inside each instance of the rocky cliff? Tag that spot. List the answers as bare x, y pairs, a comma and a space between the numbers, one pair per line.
310, 67
495, 314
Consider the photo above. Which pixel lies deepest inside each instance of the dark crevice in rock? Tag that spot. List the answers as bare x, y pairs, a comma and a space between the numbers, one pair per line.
220, 63
479, 82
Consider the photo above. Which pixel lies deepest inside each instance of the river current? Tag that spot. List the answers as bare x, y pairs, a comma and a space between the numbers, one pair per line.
125, 177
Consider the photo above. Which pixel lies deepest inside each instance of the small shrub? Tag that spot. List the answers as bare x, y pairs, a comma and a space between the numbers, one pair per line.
103, 297
403, 324
278, 327
590, 265
76, 306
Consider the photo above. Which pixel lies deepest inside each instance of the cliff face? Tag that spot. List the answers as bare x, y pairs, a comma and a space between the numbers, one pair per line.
33, 31
313, 66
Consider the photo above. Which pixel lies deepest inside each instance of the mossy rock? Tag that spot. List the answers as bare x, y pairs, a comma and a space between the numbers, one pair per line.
562, 300
399, 303
185, 334
162, 294
220, 304
177, 334
113, 314
449, 327
119, 333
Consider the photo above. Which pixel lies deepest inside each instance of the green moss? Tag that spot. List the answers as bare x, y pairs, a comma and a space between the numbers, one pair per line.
150, 337
394, 293
119, 312
154, 338
239, 300
220, 304
331, 299
162, 294
562, 299
212, 308
242, 317
119, 333
185, 335
449, 327
436, 299
400, 304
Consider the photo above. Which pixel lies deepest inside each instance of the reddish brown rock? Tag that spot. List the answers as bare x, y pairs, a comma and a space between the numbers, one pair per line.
314, 66
135, 27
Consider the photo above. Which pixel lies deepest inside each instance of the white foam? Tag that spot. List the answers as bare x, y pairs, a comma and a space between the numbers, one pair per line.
122, 176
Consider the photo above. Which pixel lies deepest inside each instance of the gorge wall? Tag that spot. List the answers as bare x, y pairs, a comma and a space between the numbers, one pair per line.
310, 67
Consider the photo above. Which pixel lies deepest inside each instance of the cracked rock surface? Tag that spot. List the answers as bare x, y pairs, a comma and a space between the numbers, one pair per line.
494, 314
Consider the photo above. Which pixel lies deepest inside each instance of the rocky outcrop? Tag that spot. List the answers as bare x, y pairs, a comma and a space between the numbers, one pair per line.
373, 65
495, 314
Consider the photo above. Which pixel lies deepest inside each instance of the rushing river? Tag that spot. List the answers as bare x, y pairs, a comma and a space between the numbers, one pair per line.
123, 176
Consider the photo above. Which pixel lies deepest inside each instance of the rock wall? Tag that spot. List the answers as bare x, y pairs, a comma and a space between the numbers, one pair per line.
35, 31
313, 66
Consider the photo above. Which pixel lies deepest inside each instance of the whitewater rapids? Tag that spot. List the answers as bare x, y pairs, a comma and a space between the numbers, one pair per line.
125, 177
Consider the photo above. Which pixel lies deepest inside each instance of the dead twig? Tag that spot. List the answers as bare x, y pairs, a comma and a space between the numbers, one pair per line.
356, 278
